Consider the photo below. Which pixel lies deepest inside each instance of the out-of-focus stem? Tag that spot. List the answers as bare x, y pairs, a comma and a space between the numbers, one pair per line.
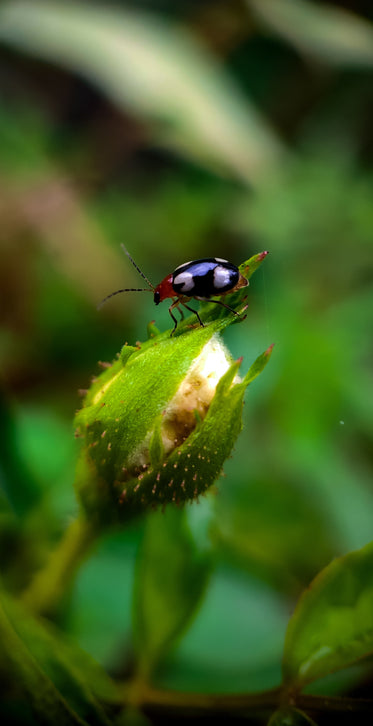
160, 701
50, 584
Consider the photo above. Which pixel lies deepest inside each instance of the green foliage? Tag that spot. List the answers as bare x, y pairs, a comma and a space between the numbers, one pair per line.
171, 579
332, 625
267, 527
144, 127
56, 679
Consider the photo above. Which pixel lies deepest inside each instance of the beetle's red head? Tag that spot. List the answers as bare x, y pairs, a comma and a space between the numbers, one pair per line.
164, 290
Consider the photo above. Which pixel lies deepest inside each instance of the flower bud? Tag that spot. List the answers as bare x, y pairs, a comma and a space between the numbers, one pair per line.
159, 423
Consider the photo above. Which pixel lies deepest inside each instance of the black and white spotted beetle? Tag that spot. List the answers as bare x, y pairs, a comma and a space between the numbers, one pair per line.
199, 279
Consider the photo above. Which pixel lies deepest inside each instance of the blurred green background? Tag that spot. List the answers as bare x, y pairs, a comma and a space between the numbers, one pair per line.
185, 130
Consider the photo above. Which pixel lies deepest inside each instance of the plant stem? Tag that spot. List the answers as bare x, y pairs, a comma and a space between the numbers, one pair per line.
50, 584
232, 703
155, 700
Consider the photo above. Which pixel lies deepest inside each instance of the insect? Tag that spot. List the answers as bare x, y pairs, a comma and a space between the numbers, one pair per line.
199, 279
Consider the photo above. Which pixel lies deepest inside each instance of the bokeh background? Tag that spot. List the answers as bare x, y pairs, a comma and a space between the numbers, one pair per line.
191, 129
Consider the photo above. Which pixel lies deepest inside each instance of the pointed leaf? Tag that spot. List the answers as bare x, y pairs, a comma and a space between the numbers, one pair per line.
251, 265
258, 365
332, 625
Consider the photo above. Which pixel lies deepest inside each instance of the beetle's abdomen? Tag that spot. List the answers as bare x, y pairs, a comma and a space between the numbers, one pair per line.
205, 278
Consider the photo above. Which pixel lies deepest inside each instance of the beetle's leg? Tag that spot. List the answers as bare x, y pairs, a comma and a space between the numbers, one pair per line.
195, 313
175, 304
175, 321
219, 302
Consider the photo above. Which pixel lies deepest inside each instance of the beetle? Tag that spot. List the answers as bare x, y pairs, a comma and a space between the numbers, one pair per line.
199, 279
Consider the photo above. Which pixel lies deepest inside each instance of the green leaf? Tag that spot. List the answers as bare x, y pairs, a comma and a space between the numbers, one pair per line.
251, 265
171, 579
235, 642
19, 482
258, 365
290, 717
56, 679
266, 525
332, 625
155, 69
319, 30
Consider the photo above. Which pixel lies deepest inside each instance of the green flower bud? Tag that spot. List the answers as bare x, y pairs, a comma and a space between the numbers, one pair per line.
158, 424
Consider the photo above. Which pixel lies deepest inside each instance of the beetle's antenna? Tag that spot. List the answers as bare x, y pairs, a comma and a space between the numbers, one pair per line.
126, 289
137, 268
151, 287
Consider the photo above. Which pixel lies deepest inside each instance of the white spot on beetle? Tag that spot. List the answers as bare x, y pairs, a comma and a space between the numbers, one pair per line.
222, 277
185, 280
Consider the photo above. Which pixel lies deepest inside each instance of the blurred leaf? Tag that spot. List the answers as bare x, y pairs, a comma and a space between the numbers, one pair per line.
44, 441
332, 625
236, 641
23, 141
290, 717
158, 71
308, 217
32, 683
132, 716
322, 31
171, 579
100, 617
173, 203
268, 525
18, 480
46, 673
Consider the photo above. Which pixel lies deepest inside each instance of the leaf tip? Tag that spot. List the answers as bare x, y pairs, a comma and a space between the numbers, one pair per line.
269, 350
